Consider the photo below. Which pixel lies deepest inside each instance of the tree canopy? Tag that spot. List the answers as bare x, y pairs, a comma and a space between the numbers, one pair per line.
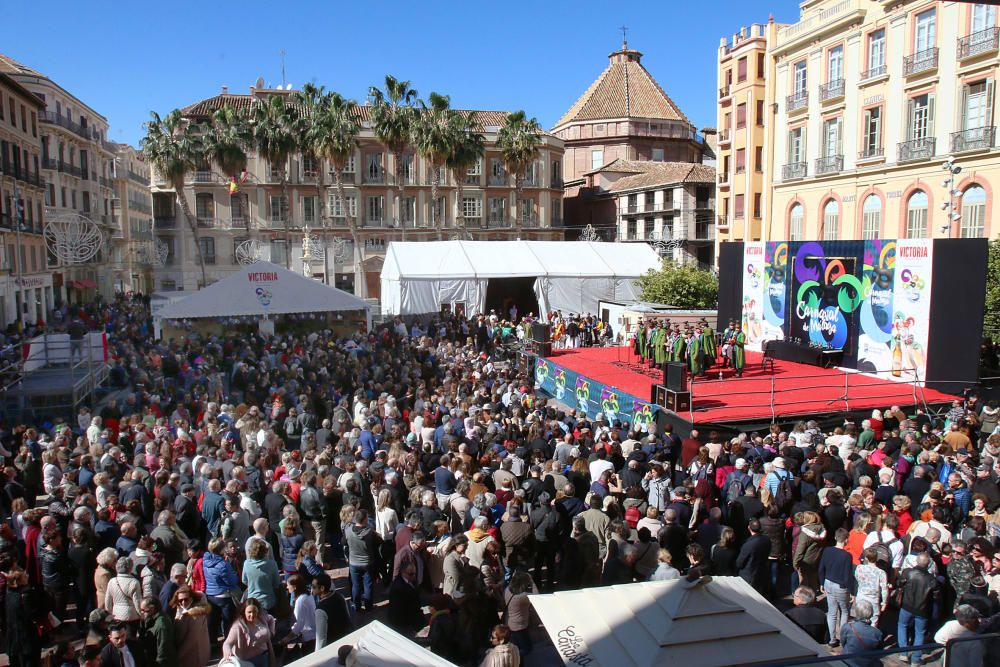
991, 319
680, 285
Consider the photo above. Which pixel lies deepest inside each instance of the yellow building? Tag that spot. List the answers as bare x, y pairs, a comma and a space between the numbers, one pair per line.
881, 120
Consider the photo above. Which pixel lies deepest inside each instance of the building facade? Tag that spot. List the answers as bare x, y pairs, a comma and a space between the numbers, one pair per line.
76, 165
257, 211
133, 252
883, 121
25, 284
629, 149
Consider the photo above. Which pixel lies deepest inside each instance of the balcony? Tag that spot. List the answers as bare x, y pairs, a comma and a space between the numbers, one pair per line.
165, 221
704, 231
498, 221
104, 180
374, 179
209, 259
49, 163
831, 164
916, 149
499, 181
62, 121
473, 179
977, 138
374, 222
722, 223
874, 72
978, 43
871, 153
724, 95
794, 171
557, 183
201, 177
921, 61
834, 90
206, 221
724, 136
797, 101
71, 169
137, 178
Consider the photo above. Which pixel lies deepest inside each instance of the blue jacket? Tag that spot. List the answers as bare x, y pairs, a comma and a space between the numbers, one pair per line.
290, 550
219, 575
211, 510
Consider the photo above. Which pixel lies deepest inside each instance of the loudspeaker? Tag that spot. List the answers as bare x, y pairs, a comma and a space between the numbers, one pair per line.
675, 376
526, 363
658, 395
540, 332
678, 401
543, 349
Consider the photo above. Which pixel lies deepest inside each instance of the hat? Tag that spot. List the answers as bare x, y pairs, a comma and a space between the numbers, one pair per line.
186, 488
983, 468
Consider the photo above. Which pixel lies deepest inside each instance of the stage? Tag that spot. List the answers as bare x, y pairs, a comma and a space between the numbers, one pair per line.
792, 391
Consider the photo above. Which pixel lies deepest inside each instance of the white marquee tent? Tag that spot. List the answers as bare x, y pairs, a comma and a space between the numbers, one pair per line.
710, 622
261, 289
572, 276
375, 645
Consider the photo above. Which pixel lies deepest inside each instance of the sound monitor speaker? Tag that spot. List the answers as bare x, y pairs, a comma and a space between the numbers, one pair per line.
540, 332
658, 395
678, 401
675, 376
543, 349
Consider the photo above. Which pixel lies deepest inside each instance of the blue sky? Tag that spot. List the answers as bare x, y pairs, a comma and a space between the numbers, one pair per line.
127, 57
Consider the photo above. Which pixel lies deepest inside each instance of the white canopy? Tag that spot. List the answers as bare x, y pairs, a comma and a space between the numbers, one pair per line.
711, 622
419, 277
262, 289
375, 645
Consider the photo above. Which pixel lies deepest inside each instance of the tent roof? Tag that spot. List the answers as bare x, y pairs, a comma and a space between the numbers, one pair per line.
433, 260
281, 291
377, 645
711, 622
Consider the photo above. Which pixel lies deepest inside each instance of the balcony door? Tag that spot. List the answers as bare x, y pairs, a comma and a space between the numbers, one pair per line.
831, 137
925, 32
921, 117
976, 109
983, 17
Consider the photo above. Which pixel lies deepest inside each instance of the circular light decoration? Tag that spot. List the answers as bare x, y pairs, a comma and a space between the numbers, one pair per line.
159, 253
249, 251
590, 234
73, 238
339, 248
312, 247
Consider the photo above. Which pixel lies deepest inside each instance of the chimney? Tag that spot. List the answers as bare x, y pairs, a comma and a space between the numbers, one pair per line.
225, 90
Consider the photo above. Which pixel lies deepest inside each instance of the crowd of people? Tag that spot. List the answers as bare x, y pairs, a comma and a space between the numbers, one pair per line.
204, 510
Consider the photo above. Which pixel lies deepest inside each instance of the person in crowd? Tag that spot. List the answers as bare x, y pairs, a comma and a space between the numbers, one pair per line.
193, 644
156, 632
333, 617
261, 577
861, 635
251, 637
123, 651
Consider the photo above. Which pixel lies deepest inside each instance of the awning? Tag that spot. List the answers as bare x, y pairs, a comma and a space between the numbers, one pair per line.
86, 283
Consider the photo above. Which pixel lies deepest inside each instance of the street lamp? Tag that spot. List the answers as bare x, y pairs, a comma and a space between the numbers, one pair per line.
954, 195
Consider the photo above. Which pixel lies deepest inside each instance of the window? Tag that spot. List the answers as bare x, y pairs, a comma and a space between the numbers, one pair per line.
472, 207
873, 132
373, 209
871, 218
337, 208
206, 245
916, 215
408, 210
349, 165
835, 64
556, 212
498, 210
876, 53
973, 223
741, 160
205, 207
657, 155
279, 208
797, 145
921, 117
407, 168
650, 201
526, 210
756, 205
741, 70
983, 17
279, 251
799, 78
738, 206
977, 102
477, 168
758, 159
309, 210
498, 176
831, 137
308, 165
596, 159
741, 116
760, 113
924, 36
373, 168
631, 230
831, 220
760, 65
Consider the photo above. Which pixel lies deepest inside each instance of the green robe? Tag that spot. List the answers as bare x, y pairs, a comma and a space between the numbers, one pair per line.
739, 353
695, 356
679, 345
708, 346
659, 346
640, 336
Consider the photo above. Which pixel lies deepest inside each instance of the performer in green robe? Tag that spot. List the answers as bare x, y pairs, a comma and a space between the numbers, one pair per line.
708, 346
680, 344
739, 351
727, 344
695, 355
660, 345
643, 335
640, 336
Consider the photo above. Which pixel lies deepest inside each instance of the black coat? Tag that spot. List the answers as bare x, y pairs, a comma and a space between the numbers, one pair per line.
752, 562
405, 614
188, 516
112, 657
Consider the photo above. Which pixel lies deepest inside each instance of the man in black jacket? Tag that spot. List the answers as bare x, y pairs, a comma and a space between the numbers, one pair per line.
545, 521
752, 561
405, 613
188, 515
121, 651
920, 588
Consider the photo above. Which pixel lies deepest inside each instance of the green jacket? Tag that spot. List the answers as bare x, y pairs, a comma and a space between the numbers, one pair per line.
158, 635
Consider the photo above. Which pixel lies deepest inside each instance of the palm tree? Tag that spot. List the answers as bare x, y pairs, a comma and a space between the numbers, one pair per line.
312, 101
434, 137
392, 118
228, 137
519, 140
466, 150
273, 122
174, 149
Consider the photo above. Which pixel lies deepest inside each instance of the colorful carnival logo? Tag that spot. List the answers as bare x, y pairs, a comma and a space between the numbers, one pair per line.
541, 371
775, 271
560, 383
264, 296
827, 293
642, 414
609, 404
913, 285
753, 274
583, 395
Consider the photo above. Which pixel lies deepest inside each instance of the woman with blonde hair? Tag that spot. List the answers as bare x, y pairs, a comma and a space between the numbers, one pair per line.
664, 570
808, 548
104, 572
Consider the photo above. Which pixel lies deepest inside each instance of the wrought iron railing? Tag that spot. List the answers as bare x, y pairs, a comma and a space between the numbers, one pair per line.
972, 139
921, 61
831, 164
983, 41
916, 149
794, 170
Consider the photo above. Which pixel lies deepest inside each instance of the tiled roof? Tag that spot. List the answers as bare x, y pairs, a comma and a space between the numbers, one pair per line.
655, 174
10, 66
203, 108
624, 90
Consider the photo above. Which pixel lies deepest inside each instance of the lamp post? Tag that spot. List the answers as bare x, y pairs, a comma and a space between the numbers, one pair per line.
954, 196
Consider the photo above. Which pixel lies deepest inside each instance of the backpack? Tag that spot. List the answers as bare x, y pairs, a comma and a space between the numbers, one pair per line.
734, 490
883, 553
632, 515
785, 494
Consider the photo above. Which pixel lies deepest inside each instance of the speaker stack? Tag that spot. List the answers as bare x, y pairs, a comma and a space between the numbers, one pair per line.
673, 394
541, 339
675, 376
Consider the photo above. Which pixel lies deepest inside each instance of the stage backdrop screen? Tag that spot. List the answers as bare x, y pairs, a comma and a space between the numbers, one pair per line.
825, 294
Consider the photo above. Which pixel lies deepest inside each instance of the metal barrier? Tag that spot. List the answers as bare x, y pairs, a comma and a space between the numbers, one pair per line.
931, 649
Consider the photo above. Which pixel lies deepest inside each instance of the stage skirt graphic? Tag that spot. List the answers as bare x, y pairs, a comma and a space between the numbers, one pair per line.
590, 397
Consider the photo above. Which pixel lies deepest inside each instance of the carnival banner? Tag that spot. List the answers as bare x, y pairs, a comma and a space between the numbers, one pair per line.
753, 294
825, 293
877, 283
911, 303
774, 295
590, 397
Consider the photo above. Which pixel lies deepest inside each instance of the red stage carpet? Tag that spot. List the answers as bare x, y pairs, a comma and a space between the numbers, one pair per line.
798, 389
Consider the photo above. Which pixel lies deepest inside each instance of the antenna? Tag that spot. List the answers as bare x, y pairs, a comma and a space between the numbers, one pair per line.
282, 54
624, 30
